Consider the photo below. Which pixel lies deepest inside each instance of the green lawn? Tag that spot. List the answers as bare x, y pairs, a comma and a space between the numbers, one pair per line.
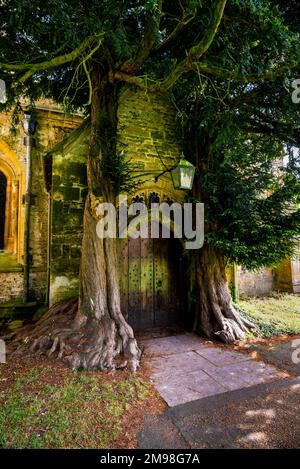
53, 407
274, 315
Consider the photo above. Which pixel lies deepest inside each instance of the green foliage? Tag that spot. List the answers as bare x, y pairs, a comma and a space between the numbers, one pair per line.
120, 172
253, 37
253, 200
244, 137
236, 125
36, 31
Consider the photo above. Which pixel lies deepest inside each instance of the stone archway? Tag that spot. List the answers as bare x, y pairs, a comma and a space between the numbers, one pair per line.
11, 172
152, 269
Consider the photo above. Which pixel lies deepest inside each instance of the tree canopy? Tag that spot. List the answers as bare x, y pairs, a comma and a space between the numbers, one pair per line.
244, 138
228, 65
48, 47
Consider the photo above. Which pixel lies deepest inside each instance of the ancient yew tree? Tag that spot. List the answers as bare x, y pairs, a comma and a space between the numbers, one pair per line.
221, 61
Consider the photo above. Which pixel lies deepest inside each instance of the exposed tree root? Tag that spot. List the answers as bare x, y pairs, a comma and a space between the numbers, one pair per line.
60, 334
233, 326
216, 316
222, 321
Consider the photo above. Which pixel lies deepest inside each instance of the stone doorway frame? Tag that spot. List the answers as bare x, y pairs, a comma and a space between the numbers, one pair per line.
11, 168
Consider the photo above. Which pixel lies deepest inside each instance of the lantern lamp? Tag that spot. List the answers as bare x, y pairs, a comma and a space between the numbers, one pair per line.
183, 174
29, 124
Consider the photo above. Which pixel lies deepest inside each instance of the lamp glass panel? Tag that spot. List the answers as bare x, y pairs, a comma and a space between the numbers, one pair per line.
176, 177
186, 177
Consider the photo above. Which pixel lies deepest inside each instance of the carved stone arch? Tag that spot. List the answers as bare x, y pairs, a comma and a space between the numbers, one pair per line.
151, 272
164, 193
11, 168
9, 159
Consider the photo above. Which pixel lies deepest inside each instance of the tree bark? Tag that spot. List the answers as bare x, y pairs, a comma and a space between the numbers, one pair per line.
93, 335
106, 334
216, 316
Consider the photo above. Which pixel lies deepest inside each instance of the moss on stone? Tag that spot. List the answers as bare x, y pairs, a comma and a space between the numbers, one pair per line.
9, 263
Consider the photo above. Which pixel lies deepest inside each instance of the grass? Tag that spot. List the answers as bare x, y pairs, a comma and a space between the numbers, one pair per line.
277, 314
77, 410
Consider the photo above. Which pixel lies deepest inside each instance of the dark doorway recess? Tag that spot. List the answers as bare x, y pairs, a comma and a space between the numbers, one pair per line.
151, 279
3, 185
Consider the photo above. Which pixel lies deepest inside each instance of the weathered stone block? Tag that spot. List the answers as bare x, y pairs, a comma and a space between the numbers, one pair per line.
83, 194
66, 250
71, 193
58, 216
56, 181
56, 251
75, 252
157, 135
78, 172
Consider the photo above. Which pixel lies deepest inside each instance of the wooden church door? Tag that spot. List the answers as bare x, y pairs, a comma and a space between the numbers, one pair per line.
150, 279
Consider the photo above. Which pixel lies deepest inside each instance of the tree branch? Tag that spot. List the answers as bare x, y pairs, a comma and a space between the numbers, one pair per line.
198, 50
133, 80
146, 44
53, 63
224, 73
181, 25
142, 83
275, 128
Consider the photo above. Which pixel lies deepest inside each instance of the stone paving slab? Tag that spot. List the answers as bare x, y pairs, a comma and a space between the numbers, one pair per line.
243, 374
172, 345
186, 368
179, 363
219, 356
192, 386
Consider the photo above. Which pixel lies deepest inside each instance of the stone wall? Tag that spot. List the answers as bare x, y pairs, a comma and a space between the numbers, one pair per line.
68, 197
284, 278
11, 284
258, 283
148, 136
287, 276
52, 126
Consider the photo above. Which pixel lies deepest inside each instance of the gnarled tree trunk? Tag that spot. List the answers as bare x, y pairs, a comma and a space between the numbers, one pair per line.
93, 334
216, 316
106, 332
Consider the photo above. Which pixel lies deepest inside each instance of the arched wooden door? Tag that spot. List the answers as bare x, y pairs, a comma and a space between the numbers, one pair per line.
150, 279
